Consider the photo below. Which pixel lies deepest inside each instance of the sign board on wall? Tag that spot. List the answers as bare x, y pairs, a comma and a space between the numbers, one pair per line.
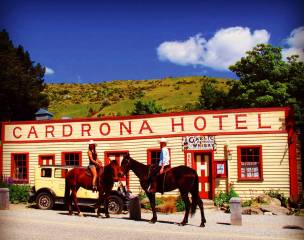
206, 123
199, 143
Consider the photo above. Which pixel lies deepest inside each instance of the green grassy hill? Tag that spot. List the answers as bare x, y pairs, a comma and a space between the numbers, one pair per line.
118, 97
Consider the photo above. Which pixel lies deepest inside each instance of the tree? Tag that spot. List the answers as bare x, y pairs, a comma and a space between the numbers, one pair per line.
212, 97
267, 81
21, 82
141, 108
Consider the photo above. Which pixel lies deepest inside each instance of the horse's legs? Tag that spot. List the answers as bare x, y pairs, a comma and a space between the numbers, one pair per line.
97, 205
106, 204
151, 197
69, 204
201, 206
186, 200
74, 195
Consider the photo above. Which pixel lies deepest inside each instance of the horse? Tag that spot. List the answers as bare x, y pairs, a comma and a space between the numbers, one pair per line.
182, 177
78, 177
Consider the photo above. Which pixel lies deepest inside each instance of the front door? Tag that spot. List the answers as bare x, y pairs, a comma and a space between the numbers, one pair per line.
118, 156
202, 163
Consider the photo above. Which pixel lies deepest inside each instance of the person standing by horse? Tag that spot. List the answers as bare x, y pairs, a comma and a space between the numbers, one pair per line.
164, 164
94, 163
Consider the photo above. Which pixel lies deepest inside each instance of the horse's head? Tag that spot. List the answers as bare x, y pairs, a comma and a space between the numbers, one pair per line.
117, 171
125, 163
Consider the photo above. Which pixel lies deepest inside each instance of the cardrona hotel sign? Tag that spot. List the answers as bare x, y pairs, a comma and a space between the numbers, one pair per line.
146, 126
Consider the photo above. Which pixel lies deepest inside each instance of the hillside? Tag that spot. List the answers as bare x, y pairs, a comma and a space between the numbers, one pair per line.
118, 97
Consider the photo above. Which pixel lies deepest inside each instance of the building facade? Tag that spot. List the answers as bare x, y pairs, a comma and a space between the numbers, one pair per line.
251, 150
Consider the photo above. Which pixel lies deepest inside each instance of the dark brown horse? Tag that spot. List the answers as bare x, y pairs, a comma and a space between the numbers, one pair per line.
183, 178
78, 177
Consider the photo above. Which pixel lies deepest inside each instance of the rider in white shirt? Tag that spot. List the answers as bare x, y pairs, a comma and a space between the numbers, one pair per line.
164, 163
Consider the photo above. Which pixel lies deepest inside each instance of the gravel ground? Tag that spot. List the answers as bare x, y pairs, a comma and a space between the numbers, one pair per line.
23, 222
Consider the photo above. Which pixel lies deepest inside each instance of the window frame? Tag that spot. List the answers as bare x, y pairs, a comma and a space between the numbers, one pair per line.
16, 180
239, 161
71, 152
150, 150
46, 155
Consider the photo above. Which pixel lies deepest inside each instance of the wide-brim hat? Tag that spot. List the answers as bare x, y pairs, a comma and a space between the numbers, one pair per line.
163, 140
92, 142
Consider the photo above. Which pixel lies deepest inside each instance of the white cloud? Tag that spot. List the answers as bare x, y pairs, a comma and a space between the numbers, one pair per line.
295, 43
189, 52
222, 50
49, 71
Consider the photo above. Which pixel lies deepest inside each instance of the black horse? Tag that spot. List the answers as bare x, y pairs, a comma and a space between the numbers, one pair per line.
182, 177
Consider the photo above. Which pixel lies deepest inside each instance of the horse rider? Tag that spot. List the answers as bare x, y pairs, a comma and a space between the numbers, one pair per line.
94, 163
164, 164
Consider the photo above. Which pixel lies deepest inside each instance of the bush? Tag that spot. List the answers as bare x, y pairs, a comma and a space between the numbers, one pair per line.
17, 192
165, 202
223, 198
180, 205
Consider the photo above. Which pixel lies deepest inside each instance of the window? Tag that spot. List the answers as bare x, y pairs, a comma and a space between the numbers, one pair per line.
19, 167
48, 159
250, 163
153, 156
46, 172
71, 158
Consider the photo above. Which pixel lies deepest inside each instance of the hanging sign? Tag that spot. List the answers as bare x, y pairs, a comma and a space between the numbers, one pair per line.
199, 143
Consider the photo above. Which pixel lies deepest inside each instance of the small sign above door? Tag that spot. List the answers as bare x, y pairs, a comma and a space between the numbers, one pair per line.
199, 143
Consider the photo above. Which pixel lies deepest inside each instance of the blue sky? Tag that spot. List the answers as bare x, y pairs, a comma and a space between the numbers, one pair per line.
93, 41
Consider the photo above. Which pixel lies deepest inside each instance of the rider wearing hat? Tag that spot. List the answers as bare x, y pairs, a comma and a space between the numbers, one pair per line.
164, 163
94, 162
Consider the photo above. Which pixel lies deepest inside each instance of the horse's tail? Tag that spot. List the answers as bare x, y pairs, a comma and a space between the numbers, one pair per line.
195, 195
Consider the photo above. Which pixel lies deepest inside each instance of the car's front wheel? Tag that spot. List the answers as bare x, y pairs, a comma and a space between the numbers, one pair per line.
115, 205
45, 201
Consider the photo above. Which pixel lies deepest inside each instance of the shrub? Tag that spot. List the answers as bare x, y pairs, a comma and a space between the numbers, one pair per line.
180, 205
163, 204
221, 198
17, 192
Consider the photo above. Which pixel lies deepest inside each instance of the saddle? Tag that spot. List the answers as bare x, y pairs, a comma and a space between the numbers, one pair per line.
99, 173
88, 172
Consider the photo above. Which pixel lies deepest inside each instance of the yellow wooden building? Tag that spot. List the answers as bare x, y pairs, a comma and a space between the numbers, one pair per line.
252, 150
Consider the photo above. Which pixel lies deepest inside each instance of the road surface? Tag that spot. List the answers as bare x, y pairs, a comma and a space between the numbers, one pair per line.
22, 223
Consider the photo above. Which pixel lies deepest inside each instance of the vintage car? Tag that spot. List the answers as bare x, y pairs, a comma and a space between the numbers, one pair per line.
49, 187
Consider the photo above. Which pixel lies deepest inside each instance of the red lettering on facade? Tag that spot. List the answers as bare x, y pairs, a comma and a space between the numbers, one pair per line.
181, 124
239, 121
145, 126
14, 132
260, 122
128, 129
49, 129
32, 131
64, 132
102, 131
200, 128
86, 128
220, 118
